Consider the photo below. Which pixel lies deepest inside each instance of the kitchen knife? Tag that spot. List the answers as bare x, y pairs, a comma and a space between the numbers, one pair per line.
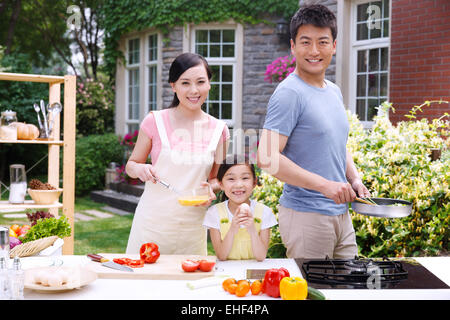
107, 263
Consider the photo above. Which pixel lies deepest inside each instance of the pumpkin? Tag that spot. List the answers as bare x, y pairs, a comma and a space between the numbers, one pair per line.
26, 131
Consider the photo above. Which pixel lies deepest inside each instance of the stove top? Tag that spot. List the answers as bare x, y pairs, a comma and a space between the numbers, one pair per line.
361, 273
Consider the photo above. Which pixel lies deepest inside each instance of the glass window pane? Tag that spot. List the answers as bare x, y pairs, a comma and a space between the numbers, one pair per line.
384, 52
385, 28
227, 92
214, 36
214, 92
373, 85
375, 32
227, 73
385, 8
152, 47
201, 50
372, 108
215, 73
201, 36
228, 35
383, 84
228, 50
362, 12
214, 110
214, 51
362, 61
373, 59
362, 32
226, 111
361, 86
361, 109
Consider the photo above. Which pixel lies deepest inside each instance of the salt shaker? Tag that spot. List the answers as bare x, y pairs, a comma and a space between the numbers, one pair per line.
16, 280
18, 185
4, 283
4, 243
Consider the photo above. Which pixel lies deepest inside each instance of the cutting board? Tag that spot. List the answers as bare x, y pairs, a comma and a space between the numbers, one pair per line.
167, 267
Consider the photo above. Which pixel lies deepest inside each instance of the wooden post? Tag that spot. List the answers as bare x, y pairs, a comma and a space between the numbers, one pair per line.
53, 150
69, 158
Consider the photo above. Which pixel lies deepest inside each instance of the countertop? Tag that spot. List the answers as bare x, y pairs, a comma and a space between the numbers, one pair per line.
121, 289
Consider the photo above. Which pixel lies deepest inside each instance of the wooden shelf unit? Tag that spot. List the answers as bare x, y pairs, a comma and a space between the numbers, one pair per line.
54, 145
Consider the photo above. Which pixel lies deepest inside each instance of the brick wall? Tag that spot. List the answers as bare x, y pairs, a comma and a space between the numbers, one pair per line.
420, 56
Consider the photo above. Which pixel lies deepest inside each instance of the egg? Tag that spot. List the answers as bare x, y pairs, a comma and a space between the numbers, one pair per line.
245, 208
43, 276
64, 275
54, 279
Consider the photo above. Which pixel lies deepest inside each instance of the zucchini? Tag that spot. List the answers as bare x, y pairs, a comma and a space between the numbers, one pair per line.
314, 294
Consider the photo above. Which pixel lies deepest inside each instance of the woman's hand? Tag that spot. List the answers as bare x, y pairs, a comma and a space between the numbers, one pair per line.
145, 172
212, 195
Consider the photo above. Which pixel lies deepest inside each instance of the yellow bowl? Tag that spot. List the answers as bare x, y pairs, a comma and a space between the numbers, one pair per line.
194, 197
44, 196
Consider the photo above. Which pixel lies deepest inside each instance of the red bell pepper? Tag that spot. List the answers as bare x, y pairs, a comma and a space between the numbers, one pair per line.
272, 278
149, 252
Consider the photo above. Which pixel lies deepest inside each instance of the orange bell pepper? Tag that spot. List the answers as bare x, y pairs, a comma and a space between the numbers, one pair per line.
293, 288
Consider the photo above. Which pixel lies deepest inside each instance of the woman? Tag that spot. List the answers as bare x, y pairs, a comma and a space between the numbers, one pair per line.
186, 146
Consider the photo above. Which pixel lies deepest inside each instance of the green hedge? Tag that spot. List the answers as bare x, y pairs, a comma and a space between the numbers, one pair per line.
394, 162
93, 154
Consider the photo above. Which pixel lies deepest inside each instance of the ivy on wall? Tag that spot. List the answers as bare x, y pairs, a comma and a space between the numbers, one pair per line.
121, 17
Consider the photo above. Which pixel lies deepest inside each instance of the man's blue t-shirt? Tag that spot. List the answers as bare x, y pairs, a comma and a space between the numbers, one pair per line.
316, 123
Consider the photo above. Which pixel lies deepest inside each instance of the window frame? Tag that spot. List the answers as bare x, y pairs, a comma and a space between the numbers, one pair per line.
355, 46
237, 61
128, 68
147, 65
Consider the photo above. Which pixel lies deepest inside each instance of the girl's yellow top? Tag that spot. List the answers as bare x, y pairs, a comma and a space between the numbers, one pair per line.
242, 244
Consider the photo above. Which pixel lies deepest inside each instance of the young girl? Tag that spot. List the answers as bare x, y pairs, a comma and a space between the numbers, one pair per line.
186, 146
239, 227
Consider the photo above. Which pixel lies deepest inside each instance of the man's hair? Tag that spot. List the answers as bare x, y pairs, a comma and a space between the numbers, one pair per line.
316, 15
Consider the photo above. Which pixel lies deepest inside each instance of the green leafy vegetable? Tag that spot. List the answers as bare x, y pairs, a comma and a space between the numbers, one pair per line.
48, 227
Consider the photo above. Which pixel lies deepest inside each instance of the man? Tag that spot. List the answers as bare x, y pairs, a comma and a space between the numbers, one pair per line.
303, 143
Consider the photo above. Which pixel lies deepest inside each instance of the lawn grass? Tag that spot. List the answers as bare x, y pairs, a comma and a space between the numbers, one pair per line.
107, 235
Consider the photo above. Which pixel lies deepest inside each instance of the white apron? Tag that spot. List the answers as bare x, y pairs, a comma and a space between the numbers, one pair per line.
159, 218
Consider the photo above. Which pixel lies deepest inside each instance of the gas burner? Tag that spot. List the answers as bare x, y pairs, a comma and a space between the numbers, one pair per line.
361, 266
355, 273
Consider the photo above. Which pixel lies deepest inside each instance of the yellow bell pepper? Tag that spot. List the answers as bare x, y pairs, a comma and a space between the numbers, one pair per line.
293, 288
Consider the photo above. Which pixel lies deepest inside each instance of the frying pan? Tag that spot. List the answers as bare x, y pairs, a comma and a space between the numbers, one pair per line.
384, 208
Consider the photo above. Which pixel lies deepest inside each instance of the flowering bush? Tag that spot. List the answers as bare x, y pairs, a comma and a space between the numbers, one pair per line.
95, 107
279, 69
130, 139
394, 162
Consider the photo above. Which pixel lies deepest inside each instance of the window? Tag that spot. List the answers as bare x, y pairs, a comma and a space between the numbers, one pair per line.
152, 68
218, 46
133, 105
370, 52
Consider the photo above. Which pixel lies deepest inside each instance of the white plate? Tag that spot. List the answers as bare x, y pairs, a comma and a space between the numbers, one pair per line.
79, 277
36, 262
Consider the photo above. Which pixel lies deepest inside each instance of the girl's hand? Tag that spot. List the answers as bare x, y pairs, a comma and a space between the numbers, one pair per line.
212, 195
146, 172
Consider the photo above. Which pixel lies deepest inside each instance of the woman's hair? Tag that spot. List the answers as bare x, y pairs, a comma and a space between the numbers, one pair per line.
316, 15
232, 161
180, 65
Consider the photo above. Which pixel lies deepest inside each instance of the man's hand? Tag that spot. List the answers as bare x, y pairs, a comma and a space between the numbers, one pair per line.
360, 188
339, 192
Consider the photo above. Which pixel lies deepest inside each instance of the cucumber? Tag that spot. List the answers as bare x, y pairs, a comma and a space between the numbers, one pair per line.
314, 294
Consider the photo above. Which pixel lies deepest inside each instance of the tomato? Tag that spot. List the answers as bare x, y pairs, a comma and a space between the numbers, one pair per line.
149, 252
206, 266
242, 288
256, 287
129, 262
15, 228
232, 288
227, 282
24, 229
190, 265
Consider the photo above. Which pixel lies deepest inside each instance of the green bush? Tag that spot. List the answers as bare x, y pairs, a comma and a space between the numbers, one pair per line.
95, 107
93, 154
394, 162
